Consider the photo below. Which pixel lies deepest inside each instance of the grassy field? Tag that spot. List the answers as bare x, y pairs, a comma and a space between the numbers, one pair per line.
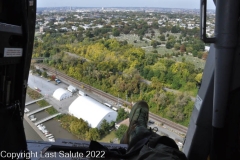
161, 50
33, 94
36, 95
157, 34
51, 110
130, 38
111, 136
145, 44
199, 63
43, 103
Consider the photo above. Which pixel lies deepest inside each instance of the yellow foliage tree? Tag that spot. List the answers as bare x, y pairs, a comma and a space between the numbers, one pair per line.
198, 77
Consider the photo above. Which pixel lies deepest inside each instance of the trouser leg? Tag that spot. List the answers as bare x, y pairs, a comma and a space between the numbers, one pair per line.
139, 133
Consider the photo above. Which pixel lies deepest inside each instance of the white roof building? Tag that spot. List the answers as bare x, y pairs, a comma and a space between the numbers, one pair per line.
91, 111
61, 94
207, 48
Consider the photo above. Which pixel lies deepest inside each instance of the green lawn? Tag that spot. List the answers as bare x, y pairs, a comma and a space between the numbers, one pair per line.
130, 38
161, 50
43, 103
199, 63
33, 94
51, 110
108, 137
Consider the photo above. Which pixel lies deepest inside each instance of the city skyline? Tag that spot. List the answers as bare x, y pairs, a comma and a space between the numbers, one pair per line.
188, 4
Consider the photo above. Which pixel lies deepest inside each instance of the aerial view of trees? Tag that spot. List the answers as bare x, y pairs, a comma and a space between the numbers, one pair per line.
122, 114
121, 131
95, 56
81, 129
119, 68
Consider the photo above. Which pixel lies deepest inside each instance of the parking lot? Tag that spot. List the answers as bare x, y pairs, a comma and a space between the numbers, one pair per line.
47, 89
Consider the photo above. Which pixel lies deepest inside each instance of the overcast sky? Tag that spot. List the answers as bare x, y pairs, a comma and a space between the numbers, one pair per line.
194, 4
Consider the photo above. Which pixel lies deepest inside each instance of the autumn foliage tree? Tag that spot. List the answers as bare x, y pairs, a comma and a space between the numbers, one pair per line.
121, 131
183, 48
122, 69
204, 56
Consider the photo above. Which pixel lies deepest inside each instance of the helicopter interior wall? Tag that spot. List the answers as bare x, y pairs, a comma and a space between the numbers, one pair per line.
17, 28
201, 119
235, 84
13, 15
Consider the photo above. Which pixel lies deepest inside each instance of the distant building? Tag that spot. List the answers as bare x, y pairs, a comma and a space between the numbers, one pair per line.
149, 23
91, 111
74, 28
59, 19
43, 29
64, 29
50, 19
207, 48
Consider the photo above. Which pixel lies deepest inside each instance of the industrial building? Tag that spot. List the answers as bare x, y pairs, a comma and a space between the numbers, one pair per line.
61, 94
91, 111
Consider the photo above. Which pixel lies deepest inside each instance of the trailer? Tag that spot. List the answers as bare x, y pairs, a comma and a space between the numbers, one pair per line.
108, 105
81, 93
115, 109
72, 89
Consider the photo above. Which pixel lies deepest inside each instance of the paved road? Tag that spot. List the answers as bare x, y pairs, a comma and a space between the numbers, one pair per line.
47, 90
164, 129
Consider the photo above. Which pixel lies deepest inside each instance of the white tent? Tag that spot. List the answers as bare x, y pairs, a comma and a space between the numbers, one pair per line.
61, 94
91, 111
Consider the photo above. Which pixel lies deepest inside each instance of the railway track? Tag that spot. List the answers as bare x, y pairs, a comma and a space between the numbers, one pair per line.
112, 98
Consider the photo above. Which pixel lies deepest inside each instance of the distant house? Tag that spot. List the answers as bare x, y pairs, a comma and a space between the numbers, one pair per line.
64, 29
59, 19
207, 48
43, 29
74, 28
149, 23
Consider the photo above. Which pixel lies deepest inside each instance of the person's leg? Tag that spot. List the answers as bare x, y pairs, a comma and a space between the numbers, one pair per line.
138, 135
138, 119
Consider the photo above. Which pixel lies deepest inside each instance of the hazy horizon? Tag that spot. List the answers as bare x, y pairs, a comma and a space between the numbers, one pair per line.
183, 4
